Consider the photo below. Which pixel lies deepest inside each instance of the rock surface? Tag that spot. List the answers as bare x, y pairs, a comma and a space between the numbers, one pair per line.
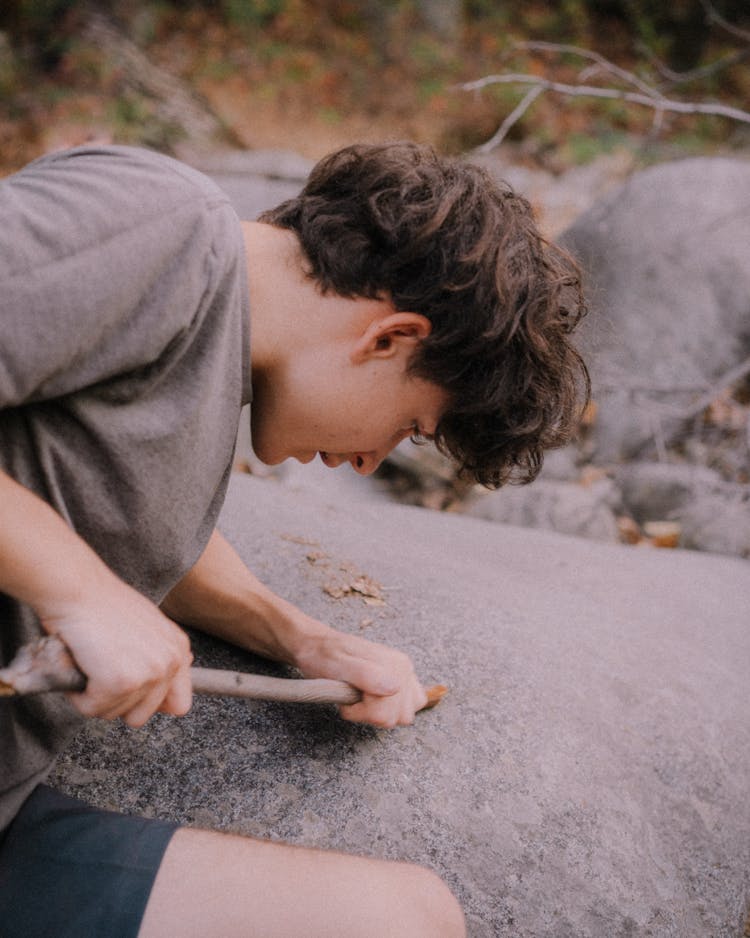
586, 775
668, 259
559, 199
570, 508
714, 515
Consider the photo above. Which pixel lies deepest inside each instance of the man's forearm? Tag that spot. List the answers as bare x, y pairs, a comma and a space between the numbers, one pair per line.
136, 660
43, 562
221, 596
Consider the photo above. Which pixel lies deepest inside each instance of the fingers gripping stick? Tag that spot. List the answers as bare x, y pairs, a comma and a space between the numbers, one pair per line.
47, 665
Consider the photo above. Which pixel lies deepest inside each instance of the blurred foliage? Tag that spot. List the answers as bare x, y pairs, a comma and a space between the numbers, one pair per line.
677, 30
392, 63
37, 27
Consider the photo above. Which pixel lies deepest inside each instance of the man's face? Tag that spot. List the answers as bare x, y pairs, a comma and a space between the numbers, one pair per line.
345, 406
381, 425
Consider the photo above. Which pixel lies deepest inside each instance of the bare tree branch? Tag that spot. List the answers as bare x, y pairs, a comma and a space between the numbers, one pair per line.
605, 65
515, 115
695, 74
713, 16
594, 91
644, 94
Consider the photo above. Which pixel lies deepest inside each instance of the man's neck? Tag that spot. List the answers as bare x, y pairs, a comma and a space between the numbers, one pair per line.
276, 284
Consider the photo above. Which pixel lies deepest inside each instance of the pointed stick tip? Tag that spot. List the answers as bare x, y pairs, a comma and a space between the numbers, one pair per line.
434, 695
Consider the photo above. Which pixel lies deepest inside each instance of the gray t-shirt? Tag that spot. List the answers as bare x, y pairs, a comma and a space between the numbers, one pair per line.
124, 363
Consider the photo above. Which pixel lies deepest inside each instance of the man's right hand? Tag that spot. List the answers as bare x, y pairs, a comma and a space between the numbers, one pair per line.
136, 660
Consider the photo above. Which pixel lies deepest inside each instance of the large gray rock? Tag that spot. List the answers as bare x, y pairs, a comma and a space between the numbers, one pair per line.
566, 507
714, 515
586, 776
668, 259
255, 180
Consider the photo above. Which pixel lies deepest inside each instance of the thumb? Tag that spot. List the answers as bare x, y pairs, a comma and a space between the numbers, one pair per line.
373, 678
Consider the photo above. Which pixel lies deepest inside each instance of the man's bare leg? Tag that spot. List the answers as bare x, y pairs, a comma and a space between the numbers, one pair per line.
214, 885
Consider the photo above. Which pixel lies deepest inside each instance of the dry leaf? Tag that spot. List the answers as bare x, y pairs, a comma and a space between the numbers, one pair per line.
334, 590
591, 474
367, 587
354, 582
663, 533
629, 529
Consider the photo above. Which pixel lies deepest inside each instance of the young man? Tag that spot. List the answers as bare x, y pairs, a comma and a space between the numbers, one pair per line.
399, 295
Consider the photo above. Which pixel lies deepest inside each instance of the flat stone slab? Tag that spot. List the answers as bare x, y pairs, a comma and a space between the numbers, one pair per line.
587, 775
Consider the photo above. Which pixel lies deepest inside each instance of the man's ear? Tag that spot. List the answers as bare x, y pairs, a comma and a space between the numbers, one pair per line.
390, 335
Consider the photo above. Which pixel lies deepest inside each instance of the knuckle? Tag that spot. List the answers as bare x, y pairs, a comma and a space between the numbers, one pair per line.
404, 664
121, 685
152, 674
135, 722
183, 645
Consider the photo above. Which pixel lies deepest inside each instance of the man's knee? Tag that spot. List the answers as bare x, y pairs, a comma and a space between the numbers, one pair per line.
436, 912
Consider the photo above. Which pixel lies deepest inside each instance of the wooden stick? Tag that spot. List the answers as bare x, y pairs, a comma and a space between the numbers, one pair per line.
44, 665
47, 665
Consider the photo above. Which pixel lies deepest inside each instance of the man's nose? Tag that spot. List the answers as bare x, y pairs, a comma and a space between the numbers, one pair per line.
366, 463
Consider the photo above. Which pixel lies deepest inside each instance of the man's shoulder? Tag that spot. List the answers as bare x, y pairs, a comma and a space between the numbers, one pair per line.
129, 166
88, 200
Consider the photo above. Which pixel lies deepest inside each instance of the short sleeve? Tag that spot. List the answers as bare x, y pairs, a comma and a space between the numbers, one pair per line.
105, 258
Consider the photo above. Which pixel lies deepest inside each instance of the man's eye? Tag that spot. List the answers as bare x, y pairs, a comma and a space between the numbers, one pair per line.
417, 436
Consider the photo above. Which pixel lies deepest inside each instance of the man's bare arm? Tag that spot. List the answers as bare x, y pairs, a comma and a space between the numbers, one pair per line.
222, 597
136, 660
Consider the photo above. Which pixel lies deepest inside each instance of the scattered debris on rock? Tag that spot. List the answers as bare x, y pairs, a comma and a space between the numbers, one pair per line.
344, 579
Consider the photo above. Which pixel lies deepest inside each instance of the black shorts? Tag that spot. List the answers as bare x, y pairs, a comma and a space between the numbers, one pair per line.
68, 870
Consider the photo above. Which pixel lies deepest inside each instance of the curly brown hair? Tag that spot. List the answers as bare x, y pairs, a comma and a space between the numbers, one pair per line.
438, 236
